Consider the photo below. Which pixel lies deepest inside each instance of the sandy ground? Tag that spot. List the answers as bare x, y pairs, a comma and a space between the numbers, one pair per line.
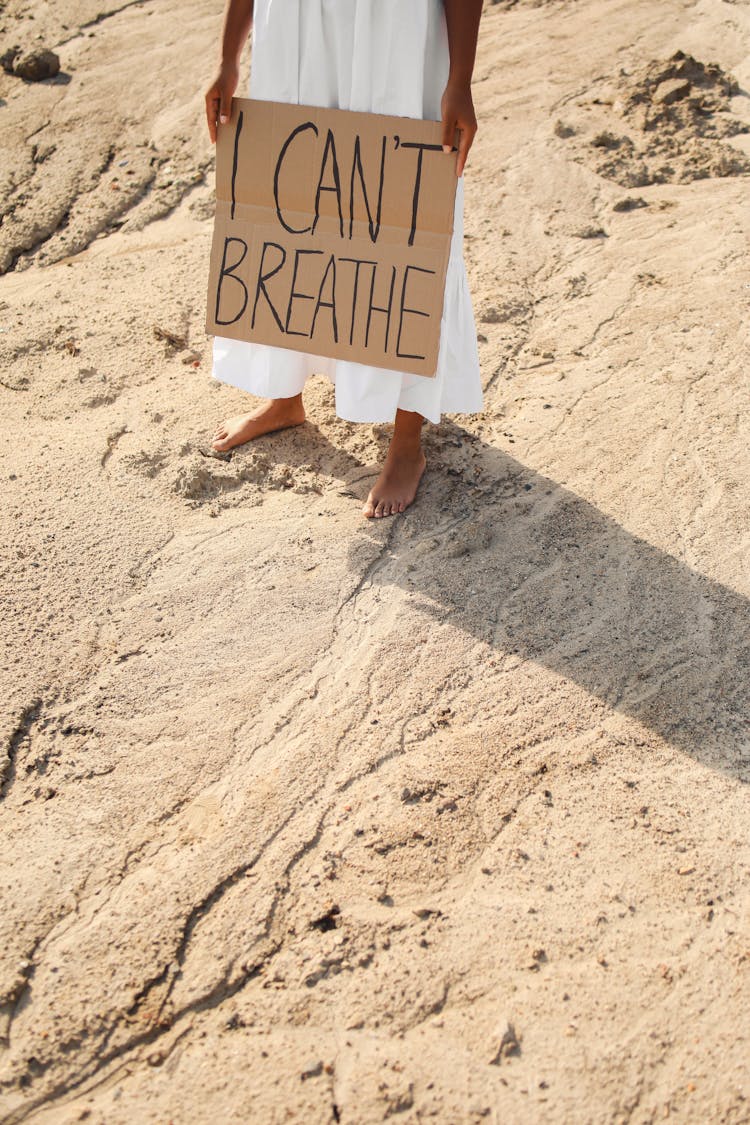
444, 817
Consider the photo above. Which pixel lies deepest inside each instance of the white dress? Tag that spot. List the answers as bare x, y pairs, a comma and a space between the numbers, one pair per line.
380, 56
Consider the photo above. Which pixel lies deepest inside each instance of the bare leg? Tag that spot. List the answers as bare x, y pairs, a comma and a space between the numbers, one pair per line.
275, 414
397, 484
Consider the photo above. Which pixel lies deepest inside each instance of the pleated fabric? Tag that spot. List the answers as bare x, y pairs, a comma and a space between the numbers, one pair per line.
379, 56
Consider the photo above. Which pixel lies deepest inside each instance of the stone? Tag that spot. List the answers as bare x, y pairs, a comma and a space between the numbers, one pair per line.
37, 65
673, 90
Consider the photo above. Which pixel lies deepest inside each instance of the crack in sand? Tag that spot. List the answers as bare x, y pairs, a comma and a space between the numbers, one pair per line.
14, 998
223, 990
101, 18
227, 987
112, 440
370, 570
20, 733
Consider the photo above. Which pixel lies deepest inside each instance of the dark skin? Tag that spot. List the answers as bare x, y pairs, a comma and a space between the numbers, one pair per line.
399, 478
457, 107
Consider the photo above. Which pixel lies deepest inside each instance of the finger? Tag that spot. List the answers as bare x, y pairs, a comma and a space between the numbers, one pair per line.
225, 109
212, 105
464, 144
449, 130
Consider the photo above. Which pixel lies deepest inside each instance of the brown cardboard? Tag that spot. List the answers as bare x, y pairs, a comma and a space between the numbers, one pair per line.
332, 233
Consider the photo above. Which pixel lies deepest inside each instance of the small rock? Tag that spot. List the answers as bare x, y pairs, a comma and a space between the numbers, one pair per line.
37, 65
8, 58
562, 130
673, 90
605, 139
312, 1070
591, 232
328, 919
629, 203
509, 1046
172, 339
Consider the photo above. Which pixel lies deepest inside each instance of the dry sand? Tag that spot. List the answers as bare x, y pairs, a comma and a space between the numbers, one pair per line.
444, 817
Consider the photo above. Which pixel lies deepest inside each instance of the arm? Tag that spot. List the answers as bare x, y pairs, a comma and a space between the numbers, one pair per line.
462, 20
238, 19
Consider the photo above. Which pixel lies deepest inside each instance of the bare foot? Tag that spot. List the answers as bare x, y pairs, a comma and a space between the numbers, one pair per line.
276, 414
397, 484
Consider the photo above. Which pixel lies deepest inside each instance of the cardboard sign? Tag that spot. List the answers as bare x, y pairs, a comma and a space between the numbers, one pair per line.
332, 233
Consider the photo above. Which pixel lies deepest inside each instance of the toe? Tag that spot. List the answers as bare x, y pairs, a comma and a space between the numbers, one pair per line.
379, 509
368, 508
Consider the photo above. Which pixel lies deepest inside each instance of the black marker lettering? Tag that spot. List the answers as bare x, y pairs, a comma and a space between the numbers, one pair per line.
336, 187
404, 309
235, 157
228, 271
263, 278
293, 292
417, 181
282, 154
357, 167
377, 308
357, 263
321, 304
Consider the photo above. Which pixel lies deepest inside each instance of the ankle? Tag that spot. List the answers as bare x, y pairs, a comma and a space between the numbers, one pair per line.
406, 445
286, 405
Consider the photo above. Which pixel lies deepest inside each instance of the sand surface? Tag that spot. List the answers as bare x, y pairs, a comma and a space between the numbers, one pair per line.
437, 818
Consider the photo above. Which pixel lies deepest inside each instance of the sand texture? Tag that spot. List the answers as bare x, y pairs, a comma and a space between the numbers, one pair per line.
443, 817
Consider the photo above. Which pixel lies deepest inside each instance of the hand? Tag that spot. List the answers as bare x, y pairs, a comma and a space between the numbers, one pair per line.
219, 97
457, 109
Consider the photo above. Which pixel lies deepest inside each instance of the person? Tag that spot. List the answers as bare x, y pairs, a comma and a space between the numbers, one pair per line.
410, 58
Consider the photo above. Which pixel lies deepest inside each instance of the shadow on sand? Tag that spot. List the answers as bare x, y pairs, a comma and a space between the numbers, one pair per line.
528, 567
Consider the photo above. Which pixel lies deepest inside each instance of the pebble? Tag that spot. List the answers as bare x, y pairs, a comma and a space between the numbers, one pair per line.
629, 203
673, 90
312, 1070
37, 65
509, 1045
